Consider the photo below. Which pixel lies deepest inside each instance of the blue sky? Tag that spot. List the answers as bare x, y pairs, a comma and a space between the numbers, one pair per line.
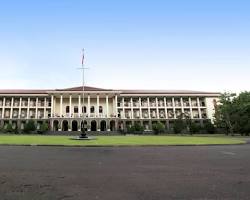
196, 45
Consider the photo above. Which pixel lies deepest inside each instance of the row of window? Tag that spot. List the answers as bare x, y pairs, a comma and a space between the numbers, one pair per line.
84, 109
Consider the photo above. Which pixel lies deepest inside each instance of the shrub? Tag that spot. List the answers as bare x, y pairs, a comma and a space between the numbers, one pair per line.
44, 127
158, 128
131, 129
30, 126
9, 128
138, 128
194, 128
179, 126
209, 127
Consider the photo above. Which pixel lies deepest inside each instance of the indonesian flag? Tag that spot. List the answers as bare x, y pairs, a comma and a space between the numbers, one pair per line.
82, 56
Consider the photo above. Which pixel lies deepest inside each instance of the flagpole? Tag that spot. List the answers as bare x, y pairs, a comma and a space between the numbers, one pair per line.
83, 83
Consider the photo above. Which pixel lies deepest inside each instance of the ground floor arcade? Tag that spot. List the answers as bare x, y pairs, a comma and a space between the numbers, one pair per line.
90, 124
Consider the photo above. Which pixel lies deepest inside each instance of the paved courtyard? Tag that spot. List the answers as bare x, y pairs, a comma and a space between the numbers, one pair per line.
135, 173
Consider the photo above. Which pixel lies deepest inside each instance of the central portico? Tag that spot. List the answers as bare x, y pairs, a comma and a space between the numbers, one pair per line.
96, 108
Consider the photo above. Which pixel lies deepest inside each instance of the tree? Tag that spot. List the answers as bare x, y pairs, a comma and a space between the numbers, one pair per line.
158, 128
209, 127
29, 126
179, 125
224, 112
194, 128
44, 127
9, 128
233, 113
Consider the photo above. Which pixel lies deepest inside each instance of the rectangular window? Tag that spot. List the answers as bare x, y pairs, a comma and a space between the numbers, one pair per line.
75, 109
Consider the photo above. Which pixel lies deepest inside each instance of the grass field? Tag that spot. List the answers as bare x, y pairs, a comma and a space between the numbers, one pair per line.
116, 140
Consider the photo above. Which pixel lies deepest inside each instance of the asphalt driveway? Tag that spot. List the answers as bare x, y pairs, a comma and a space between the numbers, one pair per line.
125, 173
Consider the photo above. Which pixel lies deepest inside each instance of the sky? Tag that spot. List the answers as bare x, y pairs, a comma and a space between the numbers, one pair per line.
132, 44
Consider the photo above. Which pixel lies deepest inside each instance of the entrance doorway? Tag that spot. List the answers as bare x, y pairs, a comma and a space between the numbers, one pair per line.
93, 125
74, 126
65, 126
103, 126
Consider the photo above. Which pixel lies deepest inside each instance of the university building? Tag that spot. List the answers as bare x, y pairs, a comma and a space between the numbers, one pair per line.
103, 109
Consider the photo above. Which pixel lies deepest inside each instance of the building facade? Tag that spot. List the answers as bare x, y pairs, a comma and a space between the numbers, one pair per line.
103, 109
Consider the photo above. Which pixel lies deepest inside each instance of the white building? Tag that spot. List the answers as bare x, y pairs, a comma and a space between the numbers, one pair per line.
103, 109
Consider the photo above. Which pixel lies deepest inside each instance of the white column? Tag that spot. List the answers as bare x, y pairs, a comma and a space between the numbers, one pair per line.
157, 108
11, 107
28, 110
116, 110
97, 105
70, 106
182, 106
191, 110
61, 105
36, 116
45, 108
123, 108
140, 107
149, 114
107, 106
165, 106
174, 107
88, 110
52, 106
20, 107
4, 99
199, 108
132, 110
79, 106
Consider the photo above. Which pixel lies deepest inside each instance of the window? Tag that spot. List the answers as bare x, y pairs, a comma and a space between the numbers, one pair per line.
100, 109
75, 109
92, 109
84, 110
67, 109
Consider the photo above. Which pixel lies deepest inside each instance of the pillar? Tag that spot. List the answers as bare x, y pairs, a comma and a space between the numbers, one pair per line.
45, 108
11, 107
52, 105
140, 107
20, 107
70, 106
36, 112
61, 105
88, 109
79, 106
132, 110
174, 107
28, 109
107, 106
3, 110
149, 114
199, 107
97, 105
157, 108
190, 105
165, 106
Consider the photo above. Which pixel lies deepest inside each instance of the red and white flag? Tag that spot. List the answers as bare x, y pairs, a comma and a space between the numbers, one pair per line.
82, 57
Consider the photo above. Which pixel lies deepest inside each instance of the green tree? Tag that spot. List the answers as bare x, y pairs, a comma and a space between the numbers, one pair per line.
224, 112
9, 128
29, 126
209, 127
44, 127
158, 128
194, 128
180, 124
233, 113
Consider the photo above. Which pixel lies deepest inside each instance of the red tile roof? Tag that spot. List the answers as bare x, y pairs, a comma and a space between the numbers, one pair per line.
86, 88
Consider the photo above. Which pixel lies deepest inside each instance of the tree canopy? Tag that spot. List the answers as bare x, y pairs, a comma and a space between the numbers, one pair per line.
233, 113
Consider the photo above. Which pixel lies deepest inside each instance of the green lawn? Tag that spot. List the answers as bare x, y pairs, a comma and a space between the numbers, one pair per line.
116, 140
